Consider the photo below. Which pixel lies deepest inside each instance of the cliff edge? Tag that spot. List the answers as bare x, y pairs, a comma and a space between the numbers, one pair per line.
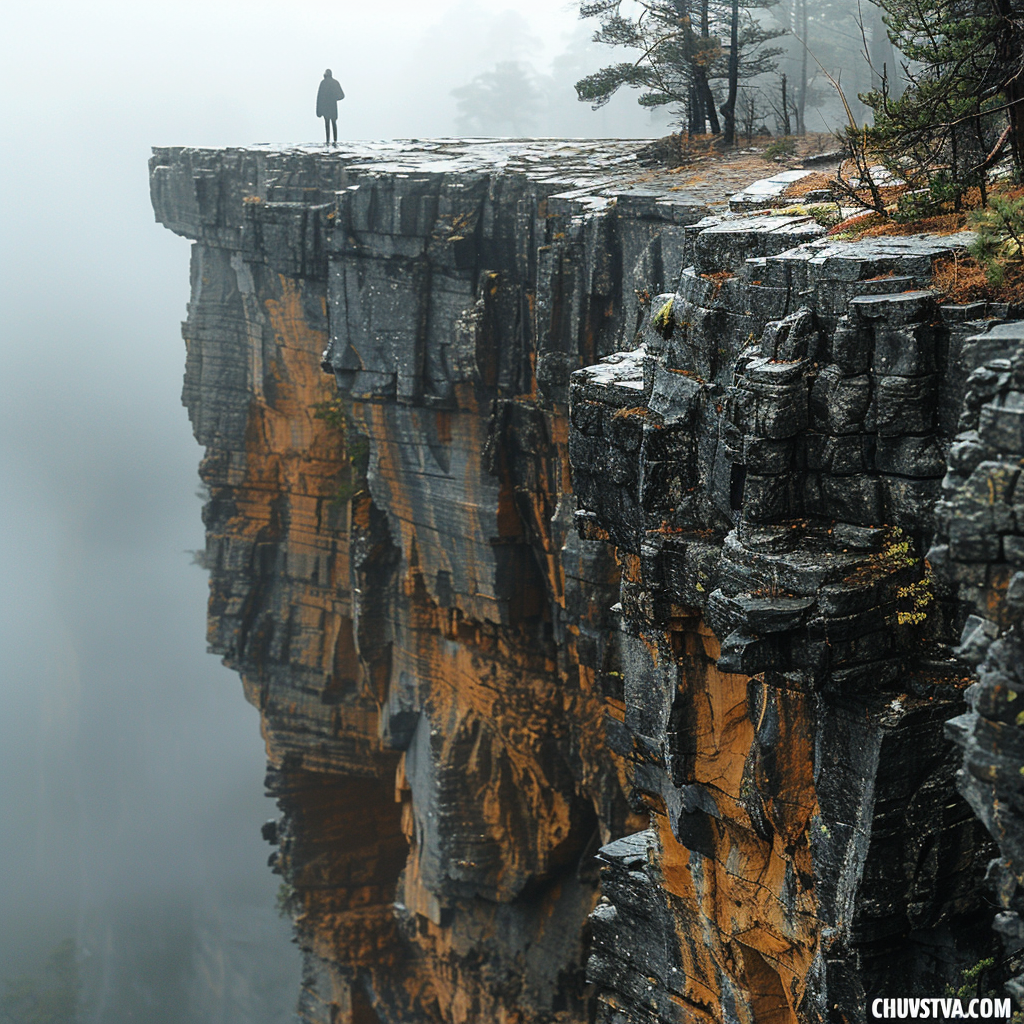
596, 561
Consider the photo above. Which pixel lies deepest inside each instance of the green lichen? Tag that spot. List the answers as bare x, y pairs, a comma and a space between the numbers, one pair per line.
828, 215
355, 454
663, 321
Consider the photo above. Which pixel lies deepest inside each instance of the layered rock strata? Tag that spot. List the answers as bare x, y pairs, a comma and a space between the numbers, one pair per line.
393, 569
709, 652
777, 445
979, 550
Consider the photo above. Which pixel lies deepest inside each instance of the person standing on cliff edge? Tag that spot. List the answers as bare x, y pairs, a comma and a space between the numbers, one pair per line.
327, 97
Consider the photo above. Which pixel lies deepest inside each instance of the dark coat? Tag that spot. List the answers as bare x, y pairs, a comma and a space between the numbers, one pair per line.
327, 99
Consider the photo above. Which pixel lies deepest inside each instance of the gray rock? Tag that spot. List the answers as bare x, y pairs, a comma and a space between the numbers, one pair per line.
905, 405
975, 639
739, 638
724, 247
674, 397
1001, 426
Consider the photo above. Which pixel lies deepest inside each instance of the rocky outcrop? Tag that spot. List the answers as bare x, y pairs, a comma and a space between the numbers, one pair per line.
786, 424
393, 568
545, 574
979, 550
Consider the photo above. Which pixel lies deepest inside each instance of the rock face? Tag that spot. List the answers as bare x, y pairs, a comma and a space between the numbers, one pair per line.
545, 574
979, 549
785, 670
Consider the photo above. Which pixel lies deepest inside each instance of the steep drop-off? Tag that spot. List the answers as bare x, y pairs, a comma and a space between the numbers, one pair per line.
709, 655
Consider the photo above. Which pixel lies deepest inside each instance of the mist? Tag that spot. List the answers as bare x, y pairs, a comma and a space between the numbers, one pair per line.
131, 767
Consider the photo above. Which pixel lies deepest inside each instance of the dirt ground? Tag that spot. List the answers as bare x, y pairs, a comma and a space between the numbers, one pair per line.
713, 176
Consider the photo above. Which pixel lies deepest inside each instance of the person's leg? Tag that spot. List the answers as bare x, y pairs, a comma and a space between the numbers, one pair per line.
334, 128
327, 130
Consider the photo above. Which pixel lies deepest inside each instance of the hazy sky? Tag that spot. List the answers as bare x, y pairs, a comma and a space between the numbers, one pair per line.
130, 766
223, 72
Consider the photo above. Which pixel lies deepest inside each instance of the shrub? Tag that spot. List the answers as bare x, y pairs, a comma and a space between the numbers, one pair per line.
1000, 242
786, 146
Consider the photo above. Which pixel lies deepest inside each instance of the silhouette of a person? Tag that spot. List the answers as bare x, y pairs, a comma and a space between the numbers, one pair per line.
327, 97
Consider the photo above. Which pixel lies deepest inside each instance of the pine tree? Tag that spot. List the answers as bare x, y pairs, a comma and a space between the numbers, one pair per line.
1000, 237
505, 98
682, 56
964, 104
829, 35
52, 999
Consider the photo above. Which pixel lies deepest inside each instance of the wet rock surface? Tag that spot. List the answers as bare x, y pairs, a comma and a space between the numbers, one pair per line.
978, 550
394, 571
787, 649
600, 544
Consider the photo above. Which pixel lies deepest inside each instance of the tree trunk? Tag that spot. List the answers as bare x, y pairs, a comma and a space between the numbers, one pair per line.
801, 90
703, 85
1009, 47
883, 59
709, 103
729, 106
694, 101
696, 104
1015, 99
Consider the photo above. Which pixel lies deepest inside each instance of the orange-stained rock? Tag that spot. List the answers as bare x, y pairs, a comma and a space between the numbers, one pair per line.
505, 609
394, 575
785, 647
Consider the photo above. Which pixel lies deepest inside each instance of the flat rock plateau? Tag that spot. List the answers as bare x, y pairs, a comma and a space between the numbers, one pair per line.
629, 589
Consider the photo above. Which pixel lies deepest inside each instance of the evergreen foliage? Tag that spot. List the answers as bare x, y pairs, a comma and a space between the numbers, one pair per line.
964, 69
1000, 241
505, 97
688, 50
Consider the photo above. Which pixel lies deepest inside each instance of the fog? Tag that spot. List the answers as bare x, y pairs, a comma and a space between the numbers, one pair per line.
130, 766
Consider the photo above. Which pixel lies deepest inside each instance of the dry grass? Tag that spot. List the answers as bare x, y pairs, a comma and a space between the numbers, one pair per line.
948, 222
706, 149
636, 410
809, 183
962, 279
853, 226
941, 224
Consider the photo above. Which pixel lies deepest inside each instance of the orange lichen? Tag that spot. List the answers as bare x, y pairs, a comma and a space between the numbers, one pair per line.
732, 898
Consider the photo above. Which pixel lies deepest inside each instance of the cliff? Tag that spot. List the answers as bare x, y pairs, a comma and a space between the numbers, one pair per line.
600, 543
